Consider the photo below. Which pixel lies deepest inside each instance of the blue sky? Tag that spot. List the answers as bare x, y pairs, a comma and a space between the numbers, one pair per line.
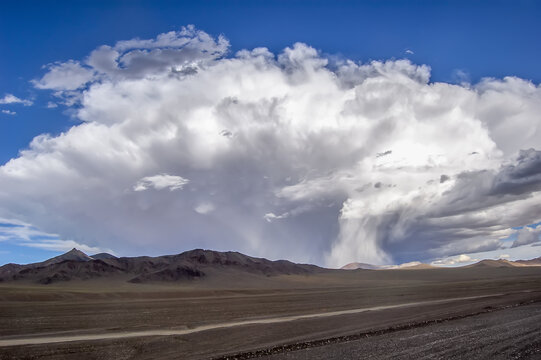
461, 41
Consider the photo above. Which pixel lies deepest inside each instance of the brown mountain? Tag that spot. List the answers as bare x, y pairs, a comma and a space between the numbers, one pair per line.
532, 262
16, 271
358, 265
190, 265
10, 269
73, 255
492, 264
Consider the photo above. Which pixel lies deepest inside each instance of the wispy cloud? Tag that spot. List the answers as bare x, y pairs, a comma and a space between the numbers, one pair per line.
65, 245
18, 230
24, 234
12, 99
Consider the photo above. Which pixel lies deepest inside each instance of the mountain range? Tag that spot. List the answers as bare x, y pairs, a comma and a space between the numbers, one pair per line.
488, 263
189, 265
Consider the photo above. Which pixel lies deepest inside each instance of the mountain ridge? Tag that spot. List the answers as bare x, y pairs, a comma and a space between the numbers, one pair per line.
531, 262
189, 265
415, 265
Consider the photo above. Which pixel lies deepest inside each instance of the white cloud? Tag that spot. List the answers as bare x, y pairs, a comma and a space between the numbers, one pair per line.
270, 217
455, 260
160, 182
11, 229
178, 53
51, 105
204, 208
24, 234
70, 75
409, 52
401, 266
12, 99
408, 264
9, 112
66, 245
303, 144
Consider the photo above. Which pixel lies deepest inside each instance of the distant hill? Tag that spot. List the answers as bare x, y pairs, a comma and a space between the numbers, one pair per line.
357, 265
415, 265
532, 262
190, 265
492, 264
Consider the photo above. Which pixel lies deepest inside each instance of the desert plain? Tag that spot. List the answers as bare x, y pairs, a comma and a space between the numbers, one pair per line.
488, 311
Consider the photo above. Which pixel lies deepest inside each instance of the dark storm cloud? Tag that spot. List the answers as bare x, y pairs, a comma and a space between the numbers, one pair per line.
523, 177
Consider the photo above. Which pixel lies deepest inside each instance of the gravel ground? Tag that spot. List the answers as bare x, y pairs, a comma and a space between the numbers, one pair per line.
28, 311
514, 333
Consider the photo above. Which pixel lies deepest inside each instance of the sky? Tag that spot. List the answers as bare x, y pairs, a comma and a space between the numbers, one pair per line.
324, 132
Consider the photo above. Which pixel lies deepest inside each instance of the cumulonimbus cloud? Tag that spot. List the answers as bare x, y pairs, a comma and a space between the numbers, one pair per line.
287, 155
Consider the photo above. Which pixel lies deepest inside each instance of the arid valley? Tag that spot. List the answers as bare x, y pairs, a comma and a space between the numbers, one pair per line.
205, 304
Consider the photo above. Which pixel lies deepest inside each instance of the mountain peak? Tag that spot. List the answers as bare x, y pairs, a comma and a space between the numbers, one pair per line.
75, 252
74, 255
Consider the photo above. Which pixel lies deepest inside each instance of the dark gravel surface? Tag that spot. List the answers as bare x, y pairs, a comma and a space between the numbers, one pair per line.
513, 333
95, 308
